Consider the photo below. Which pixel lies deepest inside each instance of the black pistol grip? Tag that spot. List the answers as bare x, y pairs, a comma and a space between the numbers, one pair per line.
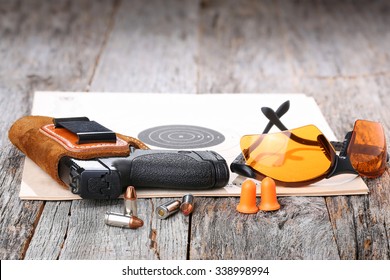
176, 169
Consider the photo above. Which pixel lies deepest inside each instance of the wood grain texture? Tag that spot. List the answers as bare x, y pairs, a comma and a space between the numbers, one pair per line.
258, 51
242, 48
45, 45
17, 218
50, 232
152, 48
299, 230
335, 51
138, 57
346, 68
341, 61
157, 239
361, 224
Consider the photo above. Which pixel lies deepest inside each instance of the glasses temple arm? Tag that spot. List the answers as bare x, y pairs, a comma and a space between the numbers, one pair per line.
275, 120
283, 108
238, 165
273, 117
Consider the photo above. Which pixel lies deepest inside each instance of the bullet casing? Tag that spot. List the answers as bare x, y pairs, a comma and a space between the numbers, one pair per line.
130, 202
187, 204
124, 221
167, 209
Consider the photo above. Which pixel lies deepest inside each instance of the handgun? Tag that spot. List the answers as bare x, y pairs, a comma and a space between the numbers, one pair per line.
107, 178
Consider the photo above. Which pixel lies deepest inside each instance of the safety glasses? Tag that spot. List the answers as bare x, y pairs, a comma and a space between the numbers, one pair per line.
303, 156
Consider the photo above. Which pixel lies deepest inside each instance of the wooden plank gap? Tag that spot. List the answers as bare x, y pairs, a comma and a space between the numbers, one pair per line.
334, 229
110, 27
189, 236
34, 226
355, 229
153, 242
153, 234
387, 238
66, 233
199, 34
349, 77
288, 52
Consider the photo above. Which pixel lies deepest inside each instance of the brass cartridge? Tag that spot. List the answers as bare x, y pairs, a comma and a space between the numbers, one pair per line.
167, 209
187, 204
124, 221
130, 201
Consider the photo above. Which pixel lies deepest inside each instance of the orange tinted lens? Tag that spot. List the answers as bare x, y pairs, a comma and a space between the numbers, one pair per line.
367, 149
289, 156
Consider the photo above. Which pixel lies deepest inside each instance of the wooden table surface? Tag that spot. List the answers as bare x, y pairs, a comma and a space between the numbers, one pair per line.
336, 51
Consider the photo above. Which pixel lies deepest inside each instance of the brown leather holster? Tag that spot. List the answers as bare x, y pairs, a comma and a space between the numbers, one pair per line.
45, 143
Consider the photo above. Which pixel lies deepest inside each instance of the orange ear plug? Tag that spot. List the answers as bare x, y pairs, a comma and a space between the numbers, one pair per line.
247, 203
269, 201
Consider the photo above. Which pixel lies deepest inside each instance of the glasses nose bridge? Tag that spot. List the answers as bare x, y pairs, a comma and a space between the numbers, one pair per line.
341, 163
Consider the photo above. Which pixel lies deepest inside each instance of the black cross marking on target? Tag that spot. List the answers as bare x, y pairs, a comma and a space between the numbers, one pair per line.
181, 137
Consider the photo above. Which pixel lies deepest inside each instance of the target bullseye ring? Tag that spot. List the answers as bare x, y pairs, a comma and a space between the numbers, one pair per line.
181, 137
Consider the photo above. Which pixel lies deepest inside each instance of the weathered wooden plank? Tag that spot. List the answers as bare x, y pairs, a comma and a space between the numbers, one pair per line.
152, 48
299, 230
45, 45
17, 218
50, 232
361, 223
326, 43
89, 238
343, 62
246, 46
335, 56
243, 48
263, 48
